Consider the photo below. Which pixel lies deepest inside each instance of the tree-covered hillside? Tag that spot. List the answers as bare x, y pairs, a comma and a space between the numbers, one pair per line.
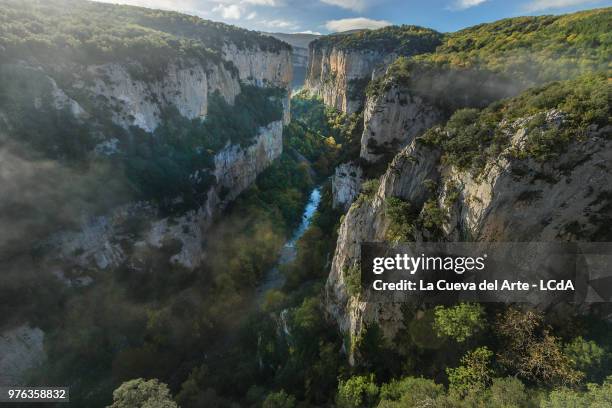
84, 31
402, 40
532, 49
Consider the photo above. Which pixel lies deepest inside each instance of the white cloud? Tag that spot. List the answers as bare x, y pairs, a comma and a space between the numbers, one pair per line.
280, 24
355, 5
465, 4
346, 24
230, 12
308, 32
251, 15
538, 5
262, 2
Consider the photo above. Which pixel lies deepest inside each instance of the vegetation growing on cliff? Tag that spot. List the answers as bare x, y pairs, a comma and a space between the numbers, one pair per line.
401, 40
198, 331
177, 159
472, 137
93, 33
322, 134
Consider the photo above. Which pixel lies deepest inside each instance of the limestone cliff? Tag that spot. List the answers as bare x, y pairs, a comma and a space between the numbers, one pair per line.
392, 120
140, 101
514, 197
339, 76
299, 54
346, 184
341, 65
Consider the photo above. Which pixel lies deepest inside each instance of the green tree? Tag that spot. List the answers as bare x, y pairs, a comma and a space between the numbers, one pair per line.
140, 393
474, 373
409, 392
279, 399
586, 356
357, 392
596, 396
459, 322
402, 219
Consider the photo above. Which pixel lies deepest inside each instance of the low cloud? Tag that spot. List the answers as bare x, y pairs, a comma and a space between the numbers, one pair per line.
347, 24
538, 5
39, 196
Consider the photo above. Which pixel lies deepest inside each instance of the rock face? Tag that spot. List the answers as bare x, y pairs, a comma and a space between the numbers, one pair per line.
21, 349
134, 97
299, 54
512, 199
261, 68
100, 243
139, 102
338, 76
346, 184
187, 85
392, 120
366, 221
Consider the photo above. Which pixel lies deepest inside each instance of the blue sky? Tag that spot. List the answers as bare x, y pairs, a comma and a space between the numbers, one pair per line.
325, 16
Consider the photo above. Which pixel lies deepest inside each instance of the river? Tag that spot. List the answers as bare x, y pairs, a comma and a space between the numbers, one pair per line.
274, 278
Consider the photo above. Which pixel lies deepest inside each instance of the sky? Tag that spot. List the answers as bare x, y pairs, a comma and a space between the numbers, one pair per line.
326, 16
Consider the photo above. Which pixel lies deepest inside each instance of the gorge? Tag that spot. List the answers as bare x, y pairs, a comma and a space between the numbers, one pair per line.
182, 213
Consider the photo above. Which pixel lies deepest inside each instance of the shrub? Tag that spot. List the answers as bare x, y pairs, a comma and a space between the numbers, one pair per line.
474, 373
459, 322
357, 392
279, 400
142, 393
402, 217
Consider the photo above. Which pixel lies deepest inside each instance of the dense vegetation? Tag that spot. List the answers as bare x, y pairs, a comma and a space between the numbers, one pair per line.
154, 318
401, 40
90, 32
472, 137
479, 65
317, 128
532, 49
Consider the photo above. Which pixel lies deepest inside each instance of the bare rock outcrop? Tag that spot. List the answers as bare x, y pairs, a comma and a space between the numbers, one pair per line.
346, 184
337, 75
392, 120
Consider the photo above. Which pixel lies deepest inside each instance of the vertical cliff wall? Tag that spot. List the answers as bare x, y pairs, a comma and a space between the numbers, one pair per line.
392, 120
339, 76
341, 65
299, 54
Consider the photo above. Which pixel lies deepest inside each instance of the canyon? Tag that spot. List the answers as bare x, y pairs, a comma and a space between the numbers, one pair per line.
513, 198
